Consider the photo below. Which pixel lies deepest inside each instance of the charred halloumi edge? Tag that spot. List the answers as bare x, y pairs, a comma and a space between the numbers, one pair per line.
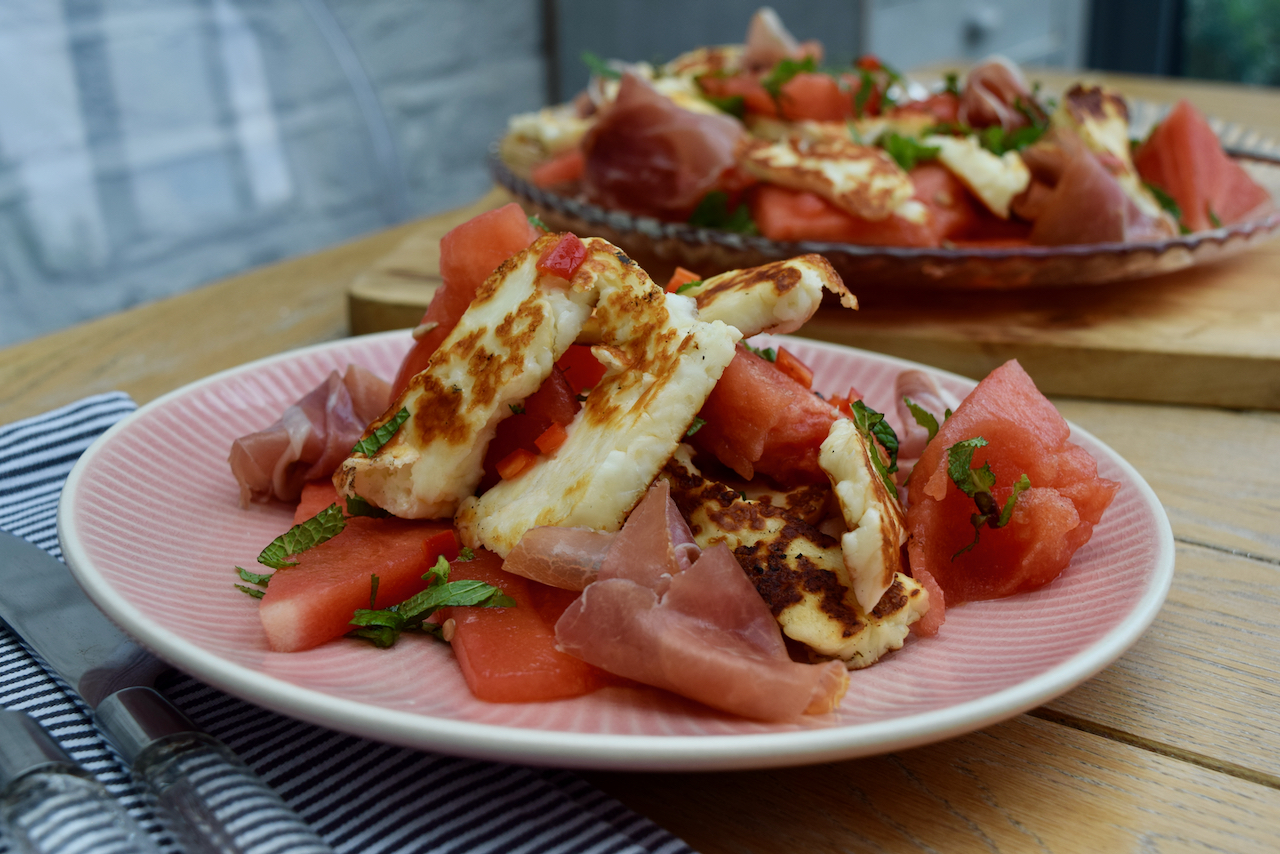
661, 362
798, 570
994, 179
872, 545
1100, 116
862, 180
506, 343
777, 297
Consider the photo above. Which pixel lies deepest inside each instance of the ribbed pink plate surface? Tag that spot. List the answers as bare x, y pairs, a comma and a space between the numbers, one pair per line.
150, 524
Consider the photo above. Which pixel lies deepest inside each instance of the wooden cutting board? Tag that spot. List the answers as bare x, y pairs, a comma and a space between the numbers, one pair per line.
1205, 335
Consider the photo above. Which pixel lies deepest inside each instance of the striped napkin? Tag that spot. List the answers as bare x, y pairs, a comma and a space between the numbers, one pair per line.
360, 795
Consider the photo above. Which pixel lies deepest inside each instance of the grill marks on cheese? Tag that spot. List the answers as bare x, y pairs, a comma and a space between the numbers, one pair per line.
502, 349
777, 297
661, 362
860, 179
798, 570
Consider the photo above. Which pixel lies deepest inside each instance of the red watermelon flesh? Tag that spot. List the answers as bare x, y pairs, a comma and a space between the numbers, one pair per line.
312, 603
509, 655
468, 255
1183, 157
758, 419
1050, 521
553, 402
316, 496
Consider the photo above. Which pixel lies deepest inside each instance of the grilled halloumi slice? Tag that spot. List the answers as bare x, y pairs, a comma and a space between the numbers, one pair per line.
798, 570
1100, 116
661, 363
777, 297
502, 349
872, 546
552, 129
862, 180
994, 179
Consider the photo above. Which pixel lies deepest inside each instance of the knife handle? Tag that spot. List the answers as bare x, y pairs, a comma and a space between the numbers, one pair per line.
215, 803
206, 796
63, 811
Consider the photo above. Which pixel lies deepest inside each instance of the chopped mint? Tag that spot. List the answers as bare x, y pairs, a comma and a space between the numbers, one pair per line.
906, 150
379, 437
713, 212
320, 528
383, 627
694, 427
876, 430
977, 484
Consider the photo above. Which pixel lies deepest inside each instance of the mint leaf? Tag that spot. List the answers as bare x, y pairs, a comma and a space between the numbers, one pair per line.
259, 578
688, 286
536, 222
320, 528
906, 150
713, 212
255, 592
465, 553
781, 74
379, 437
734, 105
599, 67
875, 430
977, 484
767, 353
383, 626
694, 427
923, 417
357, 506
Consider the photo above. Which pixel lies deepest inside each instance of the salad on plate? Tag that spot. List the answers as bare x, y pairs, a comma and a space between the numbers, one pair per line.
764, 138
580, 479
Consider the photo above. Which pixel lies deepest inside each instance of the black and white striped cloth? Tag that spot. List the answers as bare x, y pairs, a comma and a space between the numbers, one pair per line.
360, 795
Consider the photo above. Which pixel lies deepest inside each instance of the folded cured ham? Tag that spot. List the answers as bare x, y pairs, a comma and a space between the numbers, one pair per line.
693, 626
648, 155
310, 438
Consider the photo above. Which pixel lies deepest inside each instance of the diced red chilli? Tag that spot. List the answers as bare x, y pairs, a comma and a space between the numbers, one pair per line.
563, 257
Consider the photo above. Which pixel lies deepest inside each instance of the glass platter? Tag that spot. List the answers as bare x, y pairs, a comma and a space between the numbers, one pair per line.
660, 246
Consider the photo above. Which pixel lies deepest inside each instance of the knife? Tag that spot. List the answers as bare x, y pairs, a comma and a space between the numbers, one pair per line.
206, 796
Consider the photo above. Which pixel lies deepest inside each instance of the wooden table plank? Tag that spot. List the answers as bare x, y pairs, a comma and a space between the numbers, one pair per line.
1204, 681
1024, 785
1216, 472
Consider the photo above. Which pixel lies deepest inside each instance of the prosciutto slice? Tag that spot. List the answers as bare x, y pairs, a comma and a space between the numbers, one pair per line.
644, 154
311, 437
701, 631
1086, 204
769, 42
568, 558
993, 91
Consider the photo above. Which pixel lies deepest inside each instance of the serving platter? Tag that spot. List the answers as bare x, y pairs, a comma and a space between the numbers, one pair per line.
151, 527
661, 246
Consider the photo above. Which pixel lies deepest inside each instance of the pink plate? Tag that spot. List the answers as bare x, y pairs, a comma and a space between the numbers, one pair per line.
151, 526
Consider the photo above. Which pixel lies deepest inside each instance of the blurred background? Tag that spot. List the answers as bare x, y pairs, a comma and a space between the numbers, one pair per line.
149, 146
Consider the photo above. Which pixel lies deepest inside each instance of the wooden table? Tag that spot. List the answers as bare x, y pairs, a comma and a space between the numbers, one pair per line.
1175, 747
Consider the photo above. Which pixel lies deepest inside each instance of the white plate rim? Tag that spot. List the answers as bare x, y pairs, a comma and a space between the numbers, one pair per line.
593, 750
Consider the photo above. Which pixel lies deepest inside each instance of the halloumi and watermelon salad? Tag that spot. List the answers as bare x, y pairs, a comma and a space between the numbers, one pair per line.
769, 137
581, 478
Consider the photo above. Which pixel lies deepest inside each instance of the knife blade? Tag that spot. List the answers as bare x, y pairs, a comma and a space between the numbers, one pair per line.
207, 797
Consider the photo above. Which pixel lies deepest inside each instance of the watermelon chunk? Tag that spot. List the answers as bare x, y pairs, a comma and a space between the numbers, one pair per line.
509, 655
468, 255
312, 603
316, 496
1183, 157
1050, 521
758, 419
